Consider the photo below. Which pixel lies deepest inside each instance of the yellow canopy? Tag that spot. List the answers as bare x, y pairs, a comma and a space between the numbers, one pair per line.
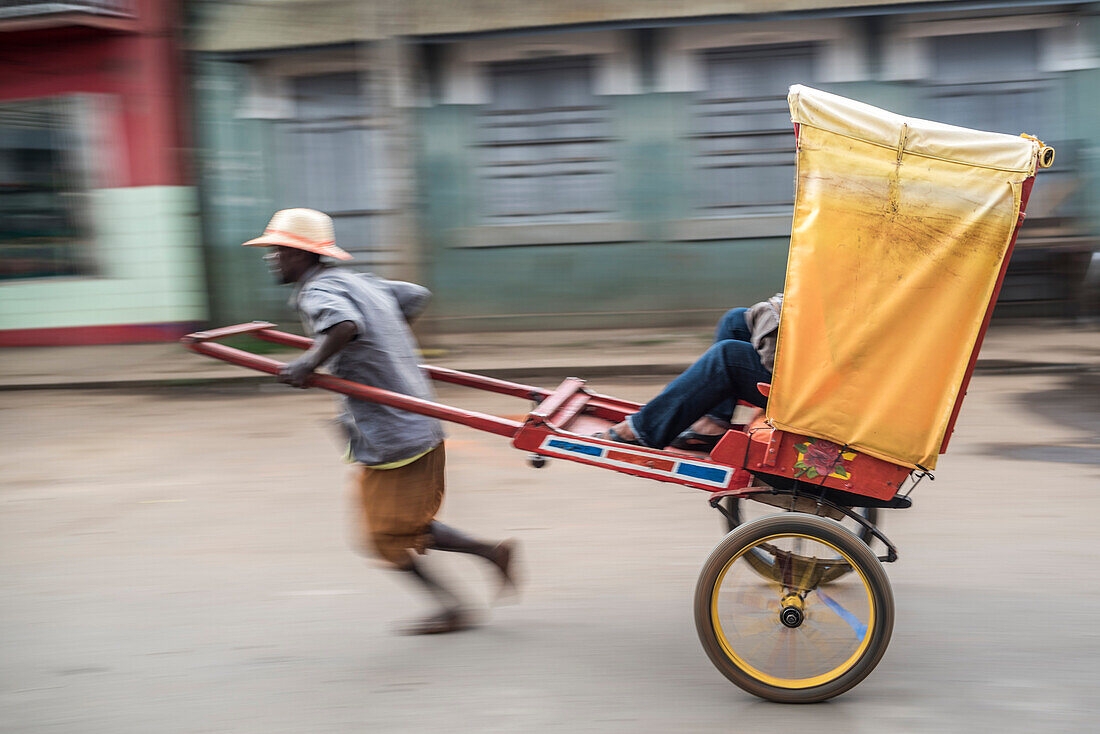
900, 229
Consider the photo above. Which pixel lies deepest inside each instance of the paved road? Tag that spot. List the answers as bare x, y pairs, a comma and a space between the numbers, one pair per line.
177, 561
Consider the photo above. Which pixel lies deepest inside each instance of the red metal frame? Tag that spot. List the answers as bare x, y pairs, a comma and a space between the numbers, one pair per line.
560, 425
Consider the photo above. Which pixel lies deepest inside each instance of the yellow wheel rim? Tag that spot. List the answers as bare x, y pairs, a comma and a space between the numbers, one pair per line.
781, 640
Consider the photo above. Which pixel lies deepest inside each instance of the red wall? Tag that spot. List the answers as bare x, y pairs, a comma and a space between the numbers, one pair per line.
138, 62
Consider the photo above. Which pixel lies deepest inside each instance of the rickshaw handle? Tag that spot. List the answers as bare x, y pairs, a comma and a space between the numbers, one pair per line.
201, 342
604, 406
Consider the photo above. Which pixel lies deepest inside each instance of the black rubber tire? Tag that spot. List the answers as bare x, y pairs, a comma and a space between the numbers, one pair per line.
815, 527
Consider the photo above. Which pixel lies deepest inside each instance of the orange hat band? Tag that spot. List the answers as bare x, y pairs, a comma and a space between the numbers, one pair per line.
299, 238
302, 229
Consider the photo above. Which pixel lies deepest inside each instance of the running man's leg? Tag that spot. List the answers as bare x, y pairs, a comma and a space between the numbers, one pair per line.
452, 615
446, 538
396, 509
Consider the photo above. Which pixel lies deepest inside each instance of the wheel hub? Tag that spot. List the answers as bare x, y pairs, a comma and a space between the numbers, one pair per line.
791, 617
791, 613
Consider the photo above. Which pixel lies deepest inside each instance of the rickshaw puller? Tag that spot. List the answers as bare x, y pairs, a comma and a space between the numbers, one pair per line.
360, 324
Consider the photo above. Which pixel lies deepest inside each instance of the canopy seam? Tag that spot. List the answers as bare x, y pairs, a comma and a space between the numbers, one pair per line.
887, 146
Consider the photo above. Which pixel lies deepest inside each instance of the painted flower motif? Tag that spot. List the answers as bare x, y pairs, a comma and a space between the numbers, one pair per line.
821, 458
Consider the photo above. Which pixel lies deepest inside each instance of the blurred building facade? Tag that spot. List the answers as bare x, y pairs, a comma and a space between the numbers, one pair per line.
98, 225
575, 164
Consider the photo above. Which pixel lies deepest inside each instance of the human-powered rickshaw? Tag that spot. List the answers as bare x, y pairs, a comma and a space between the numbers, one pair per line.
902, 232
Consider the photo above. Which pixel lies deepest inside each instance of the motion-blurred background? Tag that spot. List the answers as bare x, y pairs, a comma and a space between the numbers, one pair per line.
585, 185
553, 164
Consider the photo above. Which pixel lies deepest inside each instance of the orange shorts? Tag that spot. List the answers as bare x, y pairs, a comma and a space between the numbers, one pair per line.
396, 506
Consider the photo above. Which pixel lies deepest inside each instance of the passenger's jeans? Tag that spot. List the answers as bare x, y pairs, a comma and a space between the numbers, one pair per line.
726, 373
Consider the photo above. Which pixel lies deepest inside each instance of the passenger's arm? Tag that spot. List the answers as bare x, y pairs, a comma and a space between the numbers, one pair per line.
324, 346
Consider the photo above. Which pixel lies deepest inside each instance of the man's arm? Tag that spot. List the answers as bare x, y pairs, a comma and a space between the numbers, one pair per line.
324, 346
411, 298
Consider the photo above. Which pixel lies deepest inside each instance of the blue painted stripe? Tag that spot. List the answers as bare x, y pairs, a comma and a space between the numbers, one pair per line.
708, 473
858, 627
577, 448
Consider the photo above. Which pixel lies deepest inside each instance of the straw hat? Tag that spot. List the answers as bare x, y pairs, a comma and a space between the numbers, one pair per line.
302, 229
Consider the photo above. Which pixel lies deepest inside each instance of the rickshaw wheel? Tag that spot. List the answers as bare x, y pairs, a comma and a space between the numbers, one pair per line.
781, 637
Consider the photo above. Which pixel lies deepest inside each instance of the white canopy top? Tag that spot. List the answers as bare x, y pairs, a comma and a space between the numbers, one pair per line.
861, 121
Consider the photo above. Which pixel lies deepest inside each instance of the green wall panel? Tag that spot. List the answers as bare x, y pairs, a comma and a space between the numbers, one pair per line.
651, 278
648, 280
237, 180
148, 270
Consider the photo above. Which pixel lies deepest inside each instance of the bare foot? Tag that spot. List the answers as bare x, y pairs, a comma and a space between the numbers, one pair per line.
449, 620
502, 557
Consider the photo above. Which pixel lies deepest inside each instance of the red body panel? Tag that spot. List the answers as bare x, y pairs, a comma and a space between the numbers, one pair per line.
867, 475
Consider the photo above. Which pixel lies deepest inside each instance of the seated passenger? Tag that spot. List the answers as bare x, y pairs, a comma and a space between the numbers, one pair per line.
694, 410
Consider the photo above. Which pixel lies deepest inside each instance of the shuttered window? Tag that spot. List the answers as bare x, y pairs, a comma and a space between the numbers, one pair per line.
743, 140
992, 81
544, 144
45, 229
329, 158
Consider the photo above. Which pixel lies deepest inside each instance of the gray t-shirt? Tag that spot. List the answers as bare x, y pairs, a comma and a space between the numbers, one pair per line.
383, 354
